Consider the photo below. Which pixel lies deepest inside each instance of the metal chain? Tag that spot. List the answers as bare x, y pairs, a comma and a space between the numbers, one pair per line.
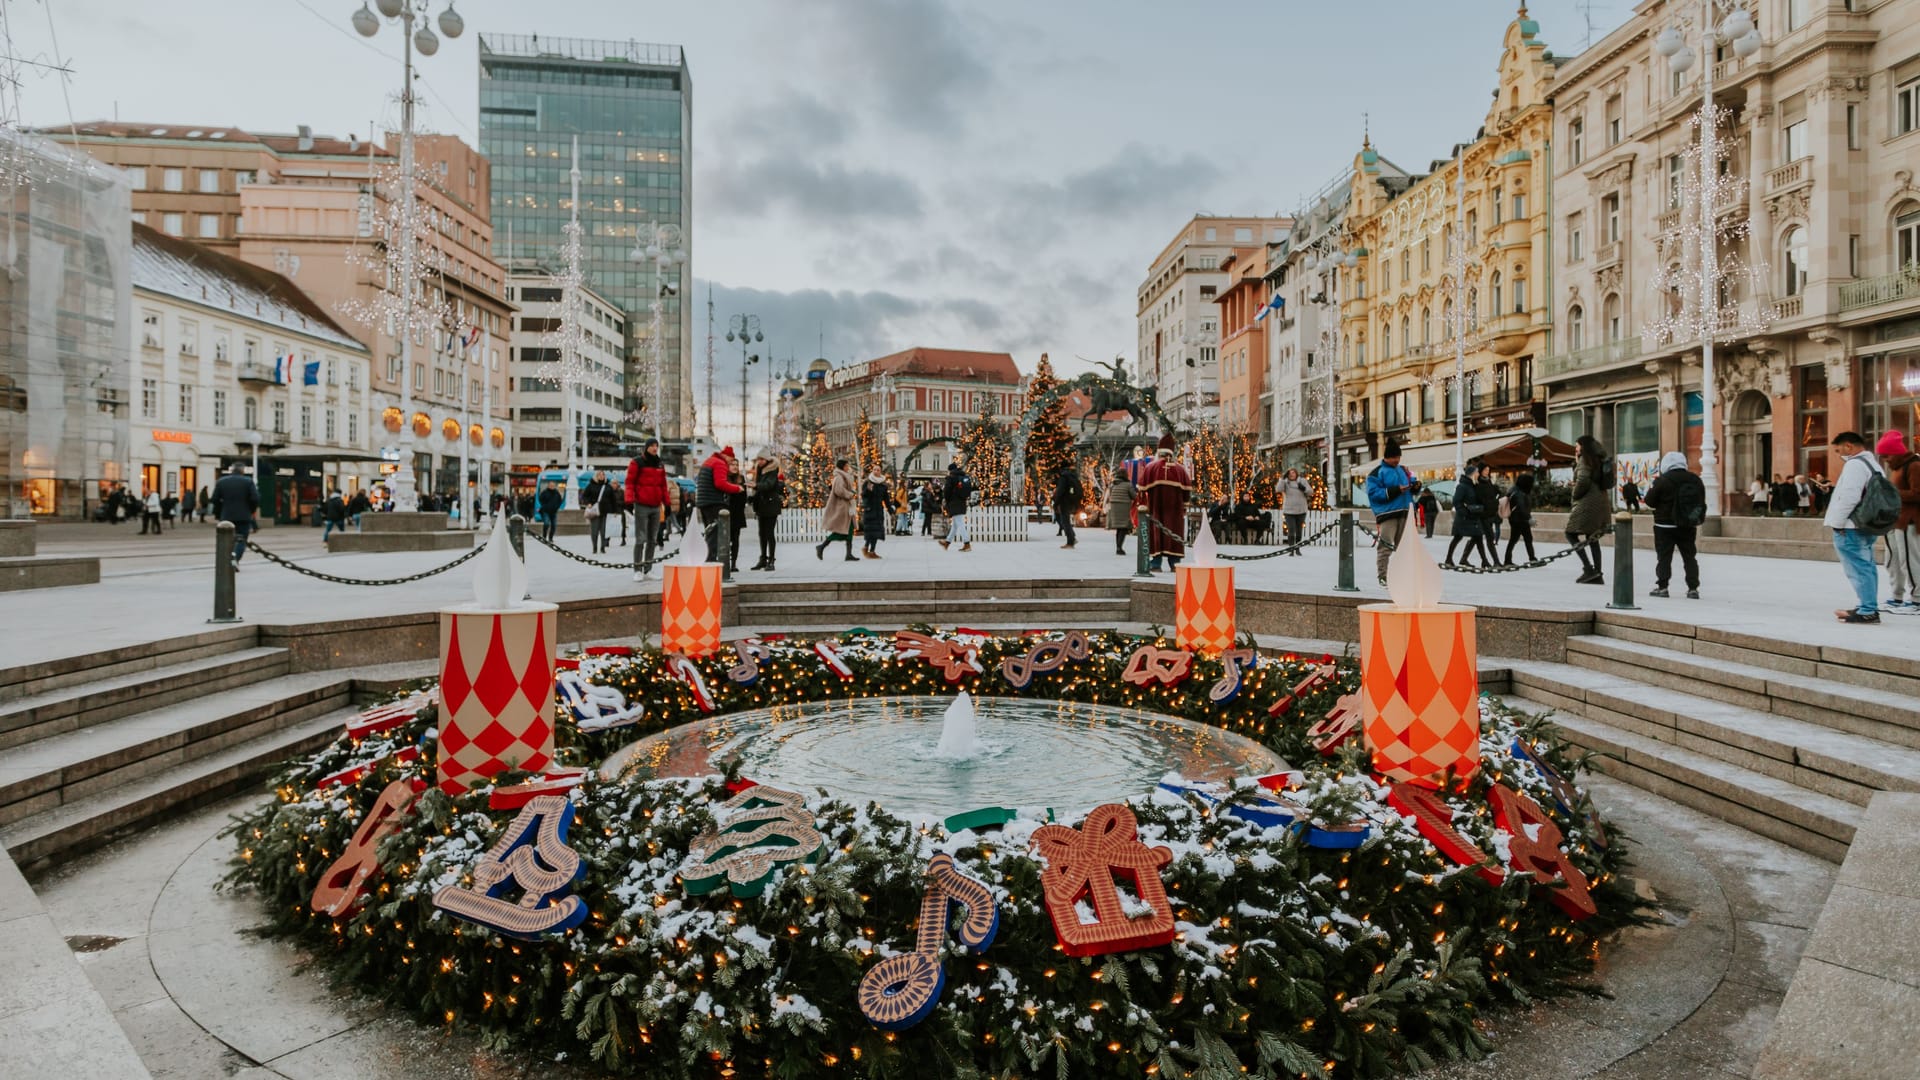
1275, 553
338, 580
1462, 568
557, 549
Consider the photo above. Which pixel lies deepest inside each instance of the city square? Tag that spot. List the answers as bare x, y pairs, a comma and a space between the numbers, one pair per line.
469, 615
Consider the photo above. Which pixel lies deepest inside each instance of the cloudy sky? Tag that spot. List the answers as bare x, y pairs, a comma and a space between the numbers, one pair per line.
989, 174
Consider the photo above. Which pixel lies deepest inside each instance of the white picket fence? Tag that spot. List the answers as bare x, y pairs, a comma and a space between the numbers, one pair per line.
983, 522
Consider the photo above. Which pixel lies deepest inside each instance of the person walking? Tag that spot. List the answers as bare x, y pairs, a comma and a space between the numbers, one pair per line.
647, 494
150, 512
598, 503
1164, 485
1903, 543
1759, 494
168, 504
237, 499
1119, 508
1630, 495
769, 498
955, 497
1429, 505
1853, 543
1678, 499
711, 486
334, 513
1067, 493
205, 502
837, 518
1295, 498
1469, 514
1520, 517
186, 505
548, 504
1592, 507
876, 506
929, 507
1493, 513
358, 505
1390, 492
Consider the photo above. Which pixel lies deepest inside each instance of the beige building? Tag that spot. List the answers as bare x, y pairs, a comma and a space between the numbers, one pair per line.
311, 207
598, 384
1398, 315
1178, 319
1820, 124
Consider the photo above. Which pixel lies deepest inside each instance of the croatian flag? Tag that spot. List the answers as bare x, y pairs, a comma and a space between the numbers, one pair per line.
1278, 303
473, 335
282, 369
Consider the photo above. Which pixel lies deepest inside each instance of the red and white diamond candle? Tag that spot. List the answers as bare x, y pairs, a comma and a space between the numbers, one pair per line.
1419, 676
496, 675
1203, 608
690, 605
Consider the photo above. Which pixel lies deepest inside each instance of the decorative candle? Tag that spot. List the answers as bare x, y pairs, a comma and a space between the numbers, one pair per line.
690, 606
497, 664
1419, 680
1203, 610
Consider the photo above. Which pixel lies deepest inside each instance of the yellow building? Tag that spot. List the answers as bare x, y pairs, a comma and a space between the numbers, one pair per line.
1398, 320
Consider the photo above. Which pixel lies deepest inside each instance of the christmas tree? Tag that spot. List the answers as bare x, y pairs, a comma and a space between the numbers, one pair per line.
988, 458
1049, 443
812, 473
867, 455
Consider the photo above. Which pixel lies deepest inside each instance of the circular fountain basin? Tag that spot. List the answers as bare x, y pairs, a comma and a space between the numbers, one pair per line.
1029, 753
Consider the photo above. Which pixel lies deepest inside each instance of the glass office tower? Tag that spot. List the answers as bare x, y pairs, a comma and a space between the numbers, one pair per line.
631, 107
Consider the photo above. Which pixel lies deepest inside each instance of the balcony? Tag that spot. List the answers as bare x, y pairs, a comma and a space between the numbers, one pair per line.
1606, 255
1791, 175
1887, 289
1789, 308
1595, 358
255, 371
1668, 221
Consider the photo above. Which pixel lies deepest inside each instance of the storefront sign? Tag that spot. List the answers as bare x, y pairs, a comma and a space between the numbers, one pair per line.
172, 436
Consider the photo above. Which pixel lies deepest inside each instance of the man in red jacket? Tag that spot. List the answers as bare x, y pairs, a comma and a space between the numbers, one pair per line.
711, 486
647, 495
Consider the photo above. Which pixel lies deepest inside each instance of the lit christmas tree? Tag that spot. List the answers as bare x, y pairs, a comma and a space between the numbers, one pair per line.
812, 474
1049, 443
867, 455
988, 457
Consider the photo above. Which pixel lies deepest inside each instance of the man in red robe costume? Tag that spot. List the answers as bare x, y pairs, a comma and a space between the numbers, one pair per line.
1163, 493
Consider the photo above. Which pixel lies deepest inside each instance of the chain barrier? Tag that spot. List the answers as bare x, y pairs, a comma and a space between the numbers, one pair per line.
338, 580
558, 550
1275, 553
1462, 568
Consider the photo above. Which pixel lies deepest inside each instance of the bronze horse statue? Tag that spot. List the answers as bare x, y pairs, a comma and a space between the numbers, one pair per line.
1106, 399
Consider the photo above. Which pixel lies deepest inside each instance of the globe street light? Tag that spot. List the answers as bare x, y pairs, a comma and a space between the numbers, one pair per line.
746, 328
406, 495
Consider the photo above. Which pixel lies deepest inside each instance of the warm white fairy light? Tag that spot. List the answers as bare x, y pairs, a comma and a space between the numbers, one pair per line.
1688, 309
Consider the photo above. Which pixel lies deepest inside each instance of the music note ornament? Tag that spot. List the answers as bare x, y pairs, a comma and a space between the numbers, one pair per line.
902, 990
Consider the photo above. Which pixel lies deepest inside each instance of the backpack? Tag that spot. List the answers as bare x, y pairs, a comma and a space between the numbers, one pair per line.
1879, 505
1506, 508
1689, 502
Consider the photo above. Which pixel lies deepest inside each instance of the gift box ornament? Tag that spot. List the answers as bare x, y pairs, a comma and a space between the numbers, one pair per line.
1419, 678
1203, 608
690, 606
497, 667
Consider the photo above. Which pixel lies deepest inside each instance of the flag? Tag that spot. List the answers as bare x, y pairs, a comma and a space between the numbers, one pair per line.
1278, 303
473, 335
282, 367
312, 375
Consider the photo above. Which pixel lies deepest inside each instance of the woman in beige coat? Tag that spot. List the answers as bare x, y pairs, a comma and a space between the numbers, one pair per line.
838, 517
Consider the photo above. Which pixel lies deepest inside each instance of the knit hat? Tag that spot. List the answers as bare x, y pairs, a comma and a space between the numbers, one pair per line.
726, 451
1393, 449
1674, 459
1891, 444
1166, 441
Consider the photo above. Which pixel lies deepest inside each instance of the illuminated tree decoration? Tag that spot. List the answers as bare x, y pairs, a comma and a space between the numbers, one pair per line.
532, 857
902, 990
342, 889
813, 475
953, 660
1082, 865
1049, 443
1152, 664
764, 830
1533, 845
984, 446
1044, 657
867, 455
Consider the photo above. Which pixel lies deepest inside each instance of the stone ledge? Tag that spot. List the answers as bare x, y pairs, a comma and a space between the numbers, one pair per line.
46, 572
56, 1022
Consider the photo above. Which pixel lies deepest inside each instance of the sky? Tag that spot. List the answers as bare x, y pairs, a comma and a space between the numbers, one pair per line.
871, 175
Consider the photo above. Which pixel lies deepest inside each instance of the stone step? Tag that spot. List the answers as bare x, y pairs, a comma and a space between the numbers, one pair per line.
1837, 764
1815, 823
753, 591
70, 708
901, 612
45, 839
341, 543
1856, 667
87, 668
1887, 715
62, 768
46, 572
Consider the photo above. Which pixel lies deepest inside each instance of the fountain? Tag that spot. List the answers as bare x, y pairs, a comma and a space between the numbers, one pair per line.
958, 741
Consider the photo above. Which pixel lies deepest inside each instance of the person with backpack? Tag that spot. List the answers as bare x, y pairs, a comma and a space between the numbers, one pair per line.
1067, 494
1390, 493
1429, 506
1519, 511
711, 486
1903, 540
1863, 507
334, 513
1678, 500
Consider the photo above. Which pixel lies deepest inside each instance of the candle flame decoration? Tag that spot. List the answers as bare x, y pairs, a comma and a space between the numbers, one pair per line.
1202, 553
691, 554
1413, 578
499, 575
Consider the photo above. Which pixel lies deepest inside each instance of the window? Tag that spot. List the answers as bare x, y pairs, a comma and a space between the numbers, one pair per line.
1495, 285
1406, 266
1613, 120
306, 422
173, 180
219, 408
1794, 259
1610, 311
1576, 328
1406, 332
1426, 256
1386, 273
1473, 228
1426, 326
222, 347
140, 216
331, 428
186, 404
1675, 164
1577, 140
279, 418
1797, 13
1395, 409
1574, 248
1209, 262
1610, 209
1497, 208
189, 338
1796, 136
173, 224
1906, 236
1243, 236
209, 226
1212, 234
149, 399
1386, 340
210, 181
419, 377
1853, 255
243, 177
136, 177
353, 428
1519, 292
1207, 292
1906, 105
150, 329
1519, 206
250, 413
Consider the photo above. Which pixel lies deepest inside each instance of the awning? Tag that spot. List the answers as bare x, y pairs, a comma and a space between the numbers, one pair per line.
1502, 451
311, 457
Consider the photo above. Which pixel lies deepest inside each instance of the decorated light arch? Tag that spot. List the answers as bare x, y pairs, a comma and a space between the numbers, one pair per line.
1137, 401
913, 455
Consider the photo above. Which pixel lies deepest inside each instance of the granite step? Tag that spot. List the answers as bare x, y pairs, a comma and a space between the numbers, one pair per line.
1887, 715
84, 669
67, 767
1837, 764
52, 712
900, 612
43, 840
1817, 824
1865, 666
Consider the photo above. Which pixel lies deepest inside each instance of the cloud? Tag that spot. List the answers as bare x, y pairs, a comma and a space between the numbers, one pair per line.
921, 64
858, 325
793, 123
816, 193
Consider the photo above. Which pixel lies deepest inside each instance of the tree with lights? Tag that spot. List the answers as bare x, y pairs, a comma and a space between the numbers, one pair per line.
988, 457
1049, 443
867, 455
812, 473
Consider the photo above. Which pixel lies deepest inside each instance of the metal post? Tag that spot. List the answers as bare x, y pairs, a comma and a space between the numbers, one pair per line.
517, 532
1345, 582
1623, 562
723, 543
223, 599
1140, 546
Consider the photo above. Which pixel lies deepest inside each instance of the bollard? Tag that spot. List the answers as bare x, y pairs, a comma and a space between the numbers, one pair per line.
1623, 562
1140, 546
1345, 582
517, 532
223, 598
723, 544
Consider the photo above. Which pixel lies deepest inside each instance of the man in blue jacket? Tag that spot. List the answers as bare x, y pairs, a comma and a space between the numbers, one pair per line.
1390, 492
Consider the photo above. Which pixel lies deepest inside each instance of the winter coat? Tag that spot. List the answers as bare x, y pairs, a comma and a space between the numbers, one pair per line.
876, 500
1904, 471
838, 518
236, 499
334, 509
769, 492
359, 504
711, 485
1295, 496
1592, 499
737, 498
1519, 508
1469, 513
1066, 489
1389, 491
1664, 496
646, 481
549, 501
953, 497
601, 495
1120, 505
1489, 503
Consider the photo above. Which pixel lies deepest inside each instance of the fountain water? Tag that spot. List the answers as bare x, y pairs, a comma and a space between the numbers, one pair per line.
957, 736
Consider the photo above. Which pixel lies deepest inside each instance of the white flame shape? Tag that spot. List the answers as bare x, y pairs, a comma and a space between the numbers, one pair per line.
692, 550
499, 576
1413, 579
1202, 552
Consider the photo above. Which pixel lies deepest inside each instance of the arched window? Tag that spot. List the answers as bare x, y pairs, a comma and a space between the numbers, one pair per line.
1447, 327
1794, 258
1472, 315
1426, 326
1519, 291
1494, 283
1906, 235
1406, 333
1386, 338
1576, 328
1610, 312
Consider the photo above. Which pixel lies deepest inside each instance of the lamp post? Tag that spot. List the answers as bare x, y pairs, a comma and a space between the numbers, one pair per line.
1327, 255
665, 244
746, 329
1199, 341
407, 12
1736, 29
893, 452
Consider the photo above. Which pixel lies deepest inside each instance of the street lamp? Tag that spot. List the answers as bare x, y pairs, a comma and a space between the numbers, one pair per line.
665, 244
745, 329
893, 455
1736, 29
407, 13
